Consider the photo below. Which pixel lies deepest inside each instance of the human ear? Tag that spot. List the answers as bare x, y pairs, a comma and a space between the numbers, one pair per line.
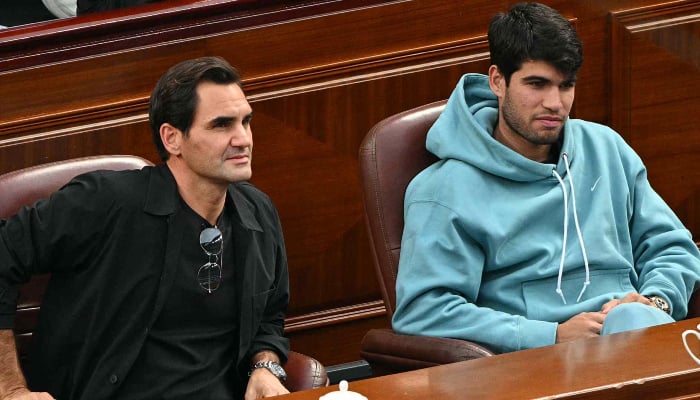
171, 137
497, 82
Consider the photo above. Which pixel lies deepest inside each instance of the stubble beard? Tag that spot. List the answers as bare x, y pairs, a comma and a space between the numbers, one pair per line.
520, 127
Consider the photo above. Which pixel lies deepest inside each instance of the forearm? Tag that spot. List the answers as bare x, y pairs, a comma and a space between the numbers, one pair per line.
11, 378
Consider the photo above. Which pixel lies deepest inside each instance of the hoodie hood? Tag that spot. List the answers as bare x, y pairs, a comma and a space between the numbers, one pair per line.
464, 132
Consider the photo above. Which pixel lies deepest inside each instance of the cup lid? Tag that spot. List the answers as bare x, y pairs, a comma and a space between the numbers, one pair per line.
343, 393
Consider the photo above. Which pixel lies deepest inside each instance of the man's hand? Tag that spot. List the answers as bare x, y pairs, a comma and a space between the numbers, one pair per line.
263, 384
25, 394
581, 326
12, 383
632, 297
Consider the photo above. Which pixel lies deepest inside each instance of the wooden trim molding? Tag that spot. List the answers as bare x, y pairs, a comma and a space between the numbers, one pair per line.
378, 66
263, 87
149, 25
335, 316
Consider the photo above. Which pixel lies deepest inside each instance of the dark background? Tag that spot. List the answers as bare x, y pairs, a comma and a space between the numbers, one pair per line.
19, 12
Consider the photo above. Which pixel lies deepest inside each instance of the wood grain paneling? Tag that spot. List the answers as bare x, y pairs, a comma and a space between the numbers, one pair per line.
319, 74
306, 160
655, 80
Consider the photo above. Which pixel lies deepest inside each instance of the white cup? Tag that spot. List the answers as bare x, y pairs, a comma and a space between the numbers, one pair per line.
685, 342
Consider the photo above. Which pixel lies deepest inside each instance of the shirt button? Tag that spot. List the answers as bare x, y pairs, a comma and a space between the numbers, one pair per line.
113, 379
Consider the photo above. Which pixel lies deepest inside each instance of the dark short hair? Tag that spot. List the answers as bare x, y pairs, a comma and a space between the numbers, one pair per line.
534, 32
174, 98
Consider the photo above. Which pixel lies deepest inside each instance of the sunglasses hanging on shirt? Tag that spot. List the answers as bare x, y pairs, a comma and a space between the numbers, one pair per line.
209, 274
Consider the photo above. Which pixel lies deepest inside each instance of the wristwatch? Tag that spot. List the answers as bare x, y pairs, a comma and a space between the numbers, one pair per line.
271, 366
660, 303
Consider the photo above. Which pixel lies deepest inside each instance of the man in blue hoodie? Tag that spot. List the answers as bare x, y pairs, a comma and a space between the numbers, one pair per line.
534, 228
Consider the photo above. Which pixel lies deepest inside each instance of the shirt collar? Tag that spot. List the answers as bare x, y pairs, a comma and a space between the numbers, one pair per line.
162, 195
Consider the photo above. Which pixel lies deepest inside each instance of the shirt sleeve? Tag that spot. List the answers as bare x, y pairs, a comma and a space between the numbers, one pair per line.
270, 334
51, 235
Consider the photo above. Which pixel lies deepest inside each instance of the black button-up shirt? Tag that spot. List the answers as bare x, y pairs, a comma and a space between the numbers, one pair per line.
111, 241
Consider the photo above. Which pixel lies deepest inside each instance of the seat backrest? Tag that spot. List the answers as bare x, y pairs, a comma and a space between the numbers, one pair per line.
25, 187
391, 154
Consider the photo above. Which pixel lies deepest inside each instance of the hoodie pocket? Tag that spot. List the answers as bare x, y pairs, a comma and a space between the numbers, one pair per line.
543, 303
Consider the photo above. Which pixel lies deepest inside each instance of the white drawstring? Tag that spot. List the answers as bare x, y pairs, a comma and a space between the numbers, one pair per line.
566, 229
578, 227
587, 282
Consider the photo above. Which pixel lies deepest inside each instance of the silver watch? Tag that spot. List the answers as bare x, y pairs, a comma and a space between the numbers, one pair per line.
271, 366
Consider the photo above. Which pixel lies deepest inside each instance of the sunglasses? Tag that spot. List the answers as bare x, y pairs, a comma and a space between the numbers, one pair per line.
209, 274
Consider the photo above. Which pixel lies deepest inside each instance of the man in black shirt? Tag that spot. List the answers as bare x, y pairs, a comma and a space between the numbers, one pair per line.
169, 282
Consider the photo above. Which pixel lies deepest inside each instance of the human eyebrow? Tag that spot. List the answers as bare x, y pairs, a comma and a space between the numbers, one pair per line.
221, 121
535, 80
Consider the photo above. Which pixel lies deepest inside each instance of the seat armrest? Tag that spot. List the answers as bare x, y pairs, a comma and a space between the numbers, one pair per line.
304, 373
388, 352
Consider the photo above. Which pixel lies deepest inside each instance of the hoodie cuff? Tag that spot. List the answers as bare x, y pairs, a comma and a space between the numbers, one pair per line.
537, 334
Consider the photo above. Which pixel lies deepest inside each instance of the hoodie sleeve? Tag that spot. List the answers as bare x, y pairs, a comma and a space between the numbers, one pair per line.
440, 273
666, 258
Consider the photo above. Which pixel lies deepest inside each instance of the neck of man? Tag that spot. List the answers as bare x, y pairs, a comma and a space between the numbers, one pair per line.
205, 197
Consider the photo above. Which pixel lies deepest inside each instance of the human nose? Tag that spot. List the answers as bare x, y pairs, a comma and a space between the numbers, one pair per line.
553, 99
242, 136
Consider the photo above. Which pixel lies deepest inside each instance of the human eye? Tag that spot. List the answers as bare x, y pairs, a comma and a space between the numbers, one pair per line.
568, 84
221, 123
247, 119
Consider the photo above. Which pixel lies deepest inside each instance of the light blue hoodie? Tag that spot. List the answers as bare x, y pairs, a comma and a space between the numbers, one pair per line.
482, 256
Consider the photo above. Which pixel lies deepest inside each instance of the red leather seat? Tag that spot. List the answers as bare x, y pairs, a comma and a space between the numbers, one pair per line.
392, 153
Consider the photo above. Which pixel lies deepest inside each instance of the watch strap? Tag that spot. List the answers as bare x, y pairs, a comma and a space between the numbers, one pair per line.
274, 367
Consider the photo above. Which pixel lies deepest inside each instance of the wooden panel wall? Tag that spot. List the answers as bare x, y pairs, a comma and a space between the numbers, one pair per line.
655, 85
319, 74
